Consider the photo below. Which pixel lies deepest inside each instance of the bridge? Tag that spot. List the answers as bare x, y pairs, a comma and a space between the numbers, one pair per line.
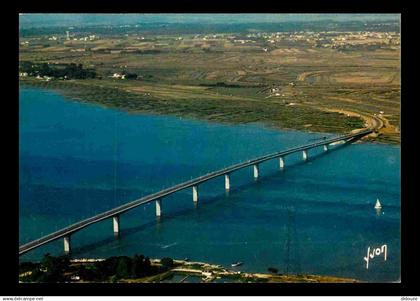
157, 197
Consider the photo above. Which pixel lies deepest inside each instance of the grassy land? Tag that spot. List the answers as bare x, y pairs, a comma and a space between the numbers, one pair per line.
223, 109
180, 76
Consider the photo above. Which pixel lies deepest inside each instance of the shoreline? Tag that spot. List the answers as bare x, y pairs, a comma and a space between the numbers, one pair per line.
269, 124
202, 272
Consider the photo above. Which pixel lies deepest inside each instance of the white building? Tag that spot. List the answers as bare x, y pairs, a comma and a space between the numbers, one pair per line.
118, 75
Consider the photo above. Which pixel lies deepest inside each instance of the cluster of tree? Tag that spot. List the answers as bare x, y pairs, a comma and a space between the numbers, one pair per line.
167, 262
129, 75
118, 267
58, 269
69, 71
221, 84
50, 269
227, 85
365, 47
148, 51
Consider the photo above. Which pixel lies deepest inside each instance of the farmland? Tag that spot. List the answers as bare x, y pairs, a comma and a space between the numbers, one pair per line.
323, 82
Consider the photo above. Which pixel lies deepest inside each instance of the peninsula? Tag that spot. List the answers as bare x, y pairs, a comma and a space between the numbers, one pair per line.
320, 81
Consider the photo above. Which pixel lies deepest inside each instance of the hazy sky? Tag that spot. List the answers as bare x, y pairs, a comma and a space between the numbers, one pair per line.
37, 20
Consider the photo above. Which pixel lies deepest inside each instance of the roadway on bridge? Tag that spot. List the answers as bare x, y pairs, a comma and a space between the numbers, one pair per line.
67, 231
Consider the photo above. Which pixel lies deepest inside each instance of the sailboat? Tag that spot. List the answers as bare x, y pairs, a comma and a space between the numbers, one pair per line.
378, 204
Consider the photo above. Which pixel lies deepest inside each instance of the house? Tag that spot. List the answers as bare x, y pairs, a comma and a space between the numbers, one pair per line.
118, 75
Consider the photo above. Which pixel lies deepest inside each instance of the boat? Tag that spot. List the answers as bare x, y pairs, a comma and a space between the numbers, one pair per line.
378, 204
236, 264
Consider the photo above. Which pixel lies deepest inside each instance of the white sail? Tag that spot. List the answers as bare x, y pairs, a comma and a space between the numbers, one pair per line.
378, 204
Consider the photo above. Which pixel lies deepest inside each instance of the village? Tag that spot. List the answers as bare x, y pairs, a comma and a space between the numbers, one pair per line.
263, 40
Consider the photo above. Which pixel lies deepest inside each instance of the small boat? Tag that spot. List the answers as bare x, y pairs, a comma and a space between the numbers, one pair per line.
186, 259
378, 204
236, 264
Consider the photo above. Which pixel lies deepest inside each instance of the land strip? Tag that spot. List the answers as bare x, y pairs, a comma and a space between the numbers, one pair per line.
322, 82
117, 269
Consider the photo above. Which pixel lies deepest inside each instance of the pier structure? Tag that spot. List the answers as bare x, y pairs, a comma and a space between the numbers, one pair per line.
116, 224
281, 162
227, 182
256, 171
158, 207
195, 193
157, 197
305, 154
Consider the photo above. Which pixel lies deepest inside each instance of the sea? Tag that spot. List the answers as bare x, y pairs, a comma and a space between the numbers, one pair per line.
312, 217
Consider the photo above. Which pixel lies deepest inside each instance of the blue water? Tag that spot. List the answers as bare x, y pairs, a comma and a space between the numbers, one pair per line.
78, 159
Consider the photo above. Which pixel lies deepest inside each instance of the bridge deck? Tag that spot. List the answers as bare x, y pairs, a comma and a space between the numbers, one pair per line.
158, 195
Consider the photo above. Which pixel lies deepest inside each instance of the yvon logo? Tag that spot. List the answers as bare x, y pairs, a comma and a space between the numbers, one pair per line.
374, 252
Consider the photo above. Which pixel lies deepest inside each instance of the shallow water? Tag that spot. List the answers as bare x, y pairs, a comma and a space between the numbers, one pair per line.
78, 159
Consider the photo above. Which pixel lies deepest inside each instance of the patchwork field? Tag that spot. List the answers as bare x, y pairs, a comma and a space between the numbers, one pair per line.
282, 82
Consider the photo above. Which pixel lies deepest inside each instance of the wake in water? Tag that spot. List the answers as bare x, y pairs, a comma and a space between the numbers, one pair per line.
170, 245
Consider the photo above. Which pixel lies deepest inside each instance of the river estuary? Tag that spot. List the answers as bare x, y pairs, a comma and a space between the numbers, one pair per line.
318, 217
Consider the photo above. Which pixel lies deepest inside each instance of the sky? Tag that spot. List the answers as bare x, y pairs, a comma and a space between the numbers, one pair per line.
44, 20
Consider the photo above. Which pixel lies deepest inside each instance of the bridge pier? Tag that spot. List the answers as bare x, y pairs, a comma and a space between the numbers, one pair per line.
68, 231
116, 224
195, 193
256, 171
67, 245
227, 182
158, 207
281, 162
305, 155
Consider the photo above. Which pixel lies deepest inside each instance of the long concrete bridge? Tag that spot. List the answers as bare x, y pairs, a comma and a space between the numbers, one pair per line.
157, 197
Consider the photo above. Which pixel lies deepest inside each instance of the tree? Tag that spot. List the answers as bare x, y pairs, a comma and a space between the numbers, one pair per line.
44, 69
167, 262
26, 66
138, 266
147, 265
54, 268
130, 75
123, 267
107, 267
141, 266
68, 70
273, 270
